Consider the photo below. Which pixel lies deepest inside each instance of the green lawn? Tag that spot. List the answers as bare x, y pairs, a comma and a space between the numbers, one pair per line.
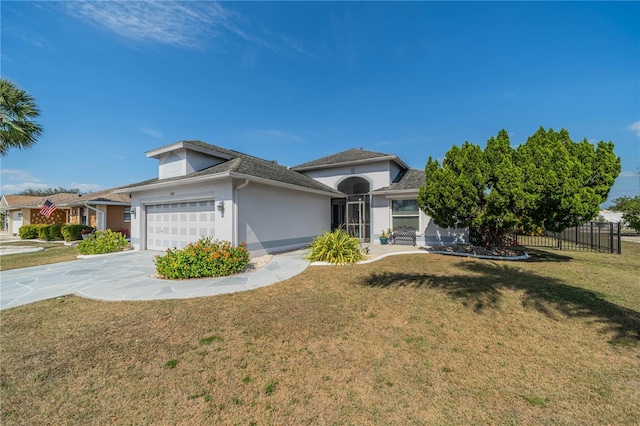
411, 339
53, 252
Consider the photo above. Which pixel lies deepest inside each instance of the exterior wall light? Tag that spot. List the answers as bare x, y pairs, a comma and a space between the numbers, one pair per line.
133, 211
221, 206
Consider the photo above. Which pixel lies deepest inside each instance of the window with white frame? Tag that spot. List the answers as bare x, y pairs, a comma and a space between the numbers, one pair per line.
127, 215
405, 213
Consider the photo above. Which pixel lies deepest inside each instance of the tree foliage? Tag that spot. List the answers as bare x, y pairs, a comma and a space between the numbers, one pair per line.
549, 182
48, 191
17, 111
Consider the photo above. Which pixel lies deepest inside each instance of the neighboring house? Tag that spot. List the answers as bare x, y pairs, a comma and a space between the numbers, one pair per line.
611, 216
25, 210
102, 210
207, 190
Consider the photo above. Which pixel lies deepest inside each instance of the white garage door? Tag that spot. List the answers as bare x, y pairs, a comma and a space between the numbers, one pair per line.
178, 224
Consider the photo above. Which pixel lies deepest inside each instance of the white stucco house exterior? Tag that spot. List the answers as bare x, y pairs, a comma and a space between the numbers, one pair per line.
207, 190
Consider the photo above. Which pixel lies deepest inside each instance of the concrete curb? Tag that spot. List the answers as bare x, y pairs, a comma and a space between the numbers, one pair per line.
477, 256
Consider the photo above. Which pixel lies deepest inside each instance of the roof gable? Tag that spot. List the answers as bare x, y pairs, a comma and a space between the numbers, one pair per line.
106, 196
409, 180
350, 156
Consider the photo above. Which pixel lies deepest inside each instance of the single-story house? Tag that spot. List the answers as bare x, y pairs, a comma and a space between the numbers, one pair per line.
101, 210
23, 210
207, 190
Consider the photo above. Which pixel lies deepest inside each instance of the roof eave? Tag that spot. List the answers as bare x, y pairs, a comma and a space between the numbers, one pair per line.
392, 192
81, 203
170, 183
218, 176
280, 184
352, 163
157, 152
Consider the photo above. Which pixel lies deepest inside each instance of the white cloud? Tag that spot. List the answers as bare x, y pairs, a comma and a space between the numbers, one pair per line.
635, 127
85, 187
21, 180
151, 132
172, 23
10, 188
627, 174
16, 174
193, 24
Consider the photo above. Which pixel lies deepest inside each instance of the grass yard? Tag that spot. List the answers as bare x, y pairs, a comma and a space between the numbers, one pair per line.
411, 339
54, 252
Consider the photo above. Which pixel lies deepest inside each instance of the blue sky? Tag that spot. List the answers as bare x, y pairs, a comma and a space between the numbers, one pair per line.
295, 81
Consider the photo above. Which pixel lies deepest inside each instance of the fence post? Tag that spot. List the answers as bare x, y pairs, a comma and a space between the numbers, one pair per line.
559, 237
591, 236
611, 237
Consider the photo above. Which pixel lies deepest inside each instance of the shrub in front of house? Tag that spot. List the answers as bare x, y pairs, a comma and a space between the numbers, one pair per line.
335, 247
204, 258
103, 242
73, 232
50, 232
29, 232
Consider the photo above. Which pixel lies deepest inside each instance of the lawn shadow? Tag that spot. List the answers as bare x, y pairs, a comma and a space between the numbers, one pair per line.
481, 290
541, 255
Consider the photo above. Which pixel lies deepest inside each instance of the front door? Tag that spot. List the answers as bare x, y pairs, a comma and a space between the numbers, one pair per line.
356, 222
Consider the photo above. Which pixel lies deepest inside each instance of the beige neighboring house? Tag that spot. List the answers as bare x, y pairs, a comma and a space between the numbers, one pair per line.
101, 210
23, 210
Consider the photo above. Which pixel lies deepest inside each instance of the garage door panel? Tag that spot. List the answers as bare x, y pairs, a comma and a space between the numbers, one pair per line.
172, 225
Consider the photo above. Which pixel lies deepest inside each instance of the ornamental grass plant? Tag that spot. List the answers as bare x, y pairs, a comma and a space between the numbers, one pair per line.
204, 258
335, 247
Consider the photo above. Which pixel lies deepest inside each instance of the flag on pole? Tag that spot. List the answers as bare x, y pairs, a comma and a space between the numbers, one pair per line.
48, 208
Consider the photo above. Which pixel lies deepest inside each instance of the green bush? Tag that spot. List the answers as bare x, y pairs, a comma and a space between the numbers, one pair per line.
205, 258
29, 232
73, 232
103, 242
50, 232
335, 247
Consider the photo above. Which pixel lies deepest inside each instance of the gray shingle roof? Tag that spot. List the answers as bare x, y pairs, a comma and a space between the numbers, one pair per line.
348, 156
106, 196
247, 165
409, 180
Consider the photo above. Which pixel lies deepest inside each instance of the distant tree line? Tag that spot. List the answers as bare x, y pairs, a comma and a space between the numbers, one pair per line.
48, 191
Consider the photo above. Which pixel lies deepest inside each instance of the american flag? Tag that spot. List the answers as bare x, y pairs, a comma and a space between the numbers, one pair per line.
48, 208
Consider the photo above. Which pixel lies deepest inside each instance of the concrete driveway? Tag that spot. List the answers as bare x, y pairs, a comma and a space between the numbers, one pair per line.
129, 276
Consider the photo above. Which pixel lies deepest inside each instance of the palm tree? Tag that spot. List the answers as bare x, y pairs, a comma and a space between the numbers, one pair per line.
17, 111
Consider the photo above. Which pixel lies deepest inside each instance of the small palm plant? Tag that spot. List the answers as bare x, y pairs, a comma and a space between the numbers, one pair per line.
335, 247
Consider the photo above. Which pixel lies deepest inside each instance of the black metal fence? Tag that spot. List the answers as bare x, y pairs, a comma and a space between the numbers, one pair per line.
592, 236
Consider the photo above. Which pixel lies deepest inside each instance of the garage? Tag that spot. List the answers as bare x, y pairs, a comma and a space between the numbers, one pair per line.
172, 225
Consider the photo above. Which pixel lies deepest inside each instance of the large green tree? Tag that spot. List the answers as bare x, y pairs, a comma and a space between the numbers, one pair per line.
549, 182
18, 110
565, 181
